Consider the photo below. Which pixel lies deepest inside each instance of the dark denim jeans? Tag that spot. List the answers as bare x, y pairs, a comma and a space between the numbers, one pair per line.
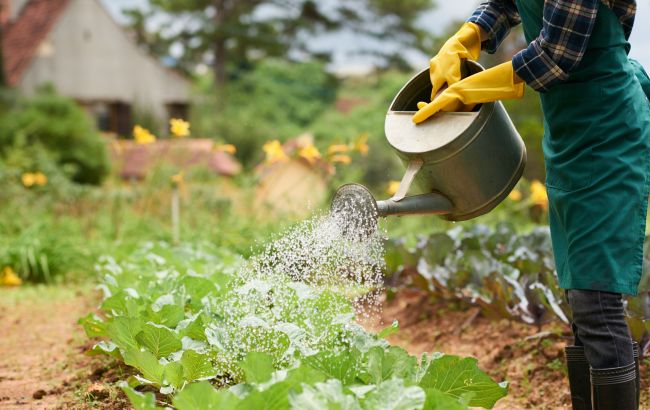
599, 325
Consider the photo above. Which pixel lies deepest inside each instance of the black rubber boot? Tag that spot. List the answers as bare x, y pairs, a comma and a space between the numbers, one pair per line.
614, 389
579, 379
637, 354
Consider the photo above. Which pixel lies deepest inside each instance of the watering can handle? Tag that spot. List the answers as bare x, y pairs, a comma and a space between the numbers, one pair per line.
414, 166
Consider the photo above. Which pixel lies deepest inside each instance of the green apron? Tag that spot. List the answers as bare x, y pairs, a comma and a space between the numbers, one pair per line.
597, 156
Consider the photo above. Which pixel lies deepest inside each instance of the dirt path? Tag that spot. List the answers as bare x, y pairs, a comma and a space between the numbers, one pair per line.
39, 344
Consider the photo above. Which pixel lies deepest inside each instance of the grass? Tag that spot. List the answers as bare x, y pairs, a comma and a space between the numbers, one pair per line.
50, 238
10, 297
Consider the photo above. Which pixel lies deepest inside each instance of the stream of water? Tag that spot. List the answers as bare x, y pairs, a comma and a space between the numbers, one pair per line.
328, 252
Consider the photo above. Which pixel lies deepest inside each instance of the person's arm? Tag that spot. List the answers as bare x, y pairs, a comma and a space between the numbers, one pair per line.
626, 12
495, 18
561, 44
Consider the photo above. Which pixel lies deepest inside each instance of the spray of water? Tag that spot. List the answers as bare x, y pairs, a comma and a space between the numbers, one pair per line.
303, 291
325, 252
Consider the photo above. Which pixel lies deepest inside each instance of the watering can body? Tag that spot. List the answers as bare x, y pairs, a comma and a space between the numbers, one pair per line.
464, 163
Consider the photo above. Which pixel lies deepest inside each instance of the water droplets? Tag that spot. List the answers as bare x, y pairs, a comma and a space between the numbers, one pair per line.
301, 292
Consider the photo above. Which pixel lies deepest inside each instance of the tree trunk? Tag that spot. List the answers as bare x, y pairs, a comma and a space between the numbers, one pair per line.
219, 45
219, 65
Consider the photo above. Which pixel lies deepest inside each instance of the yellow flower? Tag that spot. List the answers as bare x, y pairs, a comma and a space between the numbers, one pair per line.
361, 144
229, 148
179, 128
28, 179
274, 152
515, 195
177, 179
40, 179
143, 136
337, 149
538, 194
9, 277
310, 153
341, 158
393, 186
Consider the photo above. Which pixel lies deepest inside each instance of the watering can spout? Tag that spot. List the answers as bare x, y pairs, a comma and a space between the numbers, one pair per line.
425, 204
358, 211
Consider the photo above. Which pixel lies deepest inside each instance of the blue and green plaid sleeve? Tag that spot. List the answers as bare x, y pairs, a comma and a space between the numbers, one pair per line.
625, 10
495, 17
559, 48
561, 44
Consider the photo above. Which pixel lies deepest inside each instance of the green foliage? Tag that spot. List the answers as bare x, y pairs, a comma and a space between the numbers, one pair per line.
238, 34
302, 352
60, 126
461, 378
368, 98
203, 396
140, 401
276, 100
258, 367
507, 274
56, 232
43, 251
144, 117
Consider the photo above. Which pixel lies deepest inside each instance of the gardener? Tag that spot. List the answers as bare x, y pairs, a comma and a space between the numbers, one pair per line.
597, 155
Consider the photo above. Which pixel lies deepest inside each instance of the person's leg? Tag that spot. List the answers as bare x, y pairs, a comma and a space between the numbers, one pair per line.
578, 371
579, 376
600, 328
599, 325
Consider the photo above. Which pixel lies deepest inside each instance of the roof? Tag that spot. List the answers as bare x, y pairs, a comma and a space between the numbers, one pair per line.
22, 36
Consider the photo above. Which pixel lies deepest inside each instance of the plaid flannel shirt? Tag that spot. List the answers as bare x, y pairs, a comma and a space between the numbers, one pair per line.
566, 28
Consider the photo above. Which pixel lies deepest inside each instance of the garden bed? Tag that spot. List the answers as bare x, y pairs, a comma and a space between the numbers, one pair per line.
72, 379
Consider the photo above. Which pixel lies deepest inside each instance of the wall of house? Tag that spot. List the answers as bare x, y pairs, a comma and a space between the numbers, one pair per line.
89, 57
15, 6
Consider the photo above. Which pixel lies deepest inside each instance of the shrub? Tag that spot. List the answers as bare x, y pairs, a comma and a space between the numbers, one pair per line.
63, 128
45, 251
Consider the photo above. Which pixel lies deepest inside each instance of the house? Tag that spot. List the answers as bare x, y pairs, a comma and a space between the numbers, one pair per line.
76, 46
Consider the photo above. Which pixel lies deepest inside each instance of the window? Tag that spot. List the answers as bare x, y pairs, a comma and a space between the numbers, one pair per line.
112, 117
177, 110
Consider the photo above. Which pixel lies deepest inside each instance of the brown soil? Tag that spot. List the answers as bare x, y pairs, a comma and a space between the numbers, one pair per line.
43, 365
530, 359
42, 360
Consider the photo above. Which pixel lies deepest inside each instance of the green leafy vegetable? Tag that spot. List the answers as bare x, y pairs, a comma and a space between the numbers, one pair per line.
158, 340
209, 337
460, 378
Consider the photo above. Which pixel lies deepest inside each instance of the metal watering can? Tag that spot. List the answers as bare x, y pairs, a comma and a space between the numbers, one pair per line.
464, 163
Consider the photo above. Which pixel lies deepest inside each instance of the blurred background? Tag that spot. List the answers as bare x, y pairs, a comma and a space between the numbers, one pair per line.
218, 120
130, 128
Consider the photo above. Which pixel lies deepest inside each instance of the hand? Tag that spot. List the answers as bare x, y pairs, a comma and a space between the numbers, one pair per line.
496, 83
445, 66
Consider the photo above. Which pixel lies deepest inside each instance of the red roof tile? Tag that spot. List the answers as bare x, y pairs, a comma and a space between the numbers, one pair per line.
22, 36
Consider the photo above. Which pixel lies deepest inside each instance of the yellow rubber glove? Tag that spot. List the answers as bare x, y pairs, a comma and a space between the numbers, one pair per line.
445, 66
496, 83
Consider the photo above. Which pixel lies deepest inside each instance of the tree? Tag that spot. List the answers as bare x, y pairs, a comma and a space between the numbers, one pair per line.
235, 33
